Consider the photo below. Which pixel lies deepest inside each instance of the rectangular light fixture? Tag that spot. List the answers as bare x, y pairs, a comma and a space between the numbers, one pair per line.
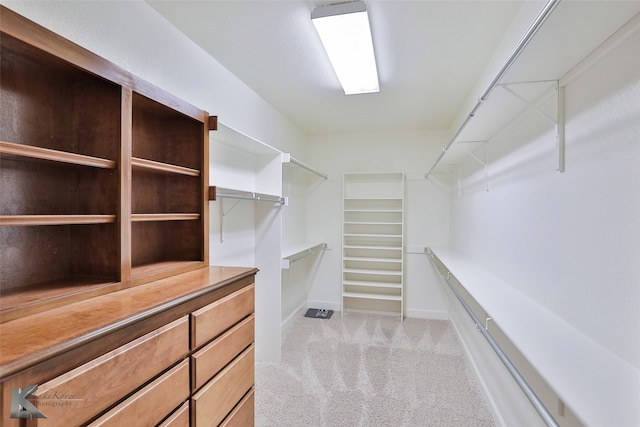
346, 36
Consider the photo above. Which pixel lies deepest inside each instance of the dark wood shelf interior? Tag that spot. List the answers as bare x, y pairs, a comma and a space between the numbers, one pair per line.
75, 221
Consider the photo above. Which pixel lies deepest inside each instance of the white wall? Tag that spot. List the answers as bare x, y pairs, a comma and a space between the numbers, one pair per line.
570, 241
427, 214
134, 36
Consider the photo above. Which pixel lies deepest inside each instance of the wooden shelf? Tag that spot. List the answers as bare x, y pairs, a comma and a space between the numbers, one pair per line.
161, 268
165, 217
40, 297
54, 155
151, 165
28, 220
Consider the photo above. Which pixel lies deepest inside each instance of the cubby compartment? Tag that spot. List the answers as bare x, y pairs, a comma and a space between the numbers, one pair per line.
166, 136
63, 261
49, 104
160, 245
155, 192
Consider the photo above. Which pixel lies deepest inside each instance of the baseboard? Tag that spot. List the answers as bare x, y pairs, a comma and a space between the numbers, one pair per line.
426, 314
327, 305
296, 313
413, 313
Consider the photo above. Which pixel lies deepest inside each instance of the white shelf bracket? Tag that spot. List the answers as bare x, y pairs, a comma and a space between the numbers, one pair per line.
456, 177
558, 121
484, 163
535, 104
560, 128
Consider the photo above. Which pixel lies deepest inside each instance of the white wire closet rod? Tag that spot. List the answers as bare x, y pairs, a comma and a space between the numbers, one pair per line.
531, 31
482, 327
225, 193
288, 158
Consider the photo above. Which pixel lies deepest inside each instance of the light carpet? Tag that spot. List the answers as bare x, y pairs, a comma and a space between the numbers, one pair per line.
369, 371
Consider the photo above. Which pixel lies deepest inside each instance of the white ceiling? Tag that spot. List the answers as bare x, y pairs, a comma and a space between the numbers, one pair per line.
429, 56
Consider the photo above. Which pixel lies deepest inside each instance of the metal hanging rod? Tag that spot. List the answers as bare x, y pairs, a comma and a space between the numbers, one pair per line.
307, 167
244, 195
531, 31
483, 328
288, 158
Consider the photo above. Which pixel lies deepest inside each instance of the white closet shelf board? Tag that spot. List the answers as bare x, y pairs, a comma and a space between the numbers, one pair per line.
238, 161
295, 253
561, 44
600, 388
241, 141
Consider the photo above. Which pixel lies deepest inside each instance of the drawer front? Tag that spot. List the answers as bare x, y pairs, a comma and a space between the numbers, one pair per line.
217, 398
80, 394
151, 404
209, 360
242, 415
180, 418
209, 321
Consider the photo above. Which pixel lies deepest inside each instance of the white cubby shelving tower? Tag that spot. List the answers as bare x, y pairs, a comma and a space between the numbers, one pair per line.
373, 242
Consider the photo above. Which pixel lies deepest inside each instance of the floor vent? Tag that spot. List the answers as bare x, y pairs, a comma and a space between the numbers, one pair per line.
319, 313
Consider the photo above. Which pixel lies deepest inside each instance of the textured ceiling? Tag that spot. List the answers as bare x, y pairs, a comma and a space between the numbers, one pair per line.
429, 56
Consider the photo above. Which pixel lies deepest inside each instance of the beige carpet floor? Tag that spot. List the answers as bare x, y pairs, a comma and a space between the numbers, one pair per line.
369, 371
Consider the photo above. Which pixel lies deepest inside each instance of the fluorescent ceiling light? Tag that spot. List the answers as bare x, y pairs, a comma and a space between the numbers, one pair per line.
345, 34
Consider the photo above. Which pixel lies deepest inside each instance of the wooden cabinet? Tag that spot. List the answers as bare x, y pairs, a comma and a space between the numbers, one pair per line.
130, 352
100, 383
102, 175
110, 314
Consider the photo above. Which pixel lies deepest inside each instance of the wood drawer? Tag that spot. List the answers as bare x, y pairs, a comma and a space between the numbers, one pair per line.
180, 417
151, 404
80, 394
209, 360
217, 399
209, 321
242, 415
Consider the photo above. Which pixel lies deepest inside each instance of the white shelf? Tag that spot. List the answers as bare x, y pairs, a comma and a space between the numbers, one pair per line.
371, 235
372, 284
299, 252
533, 79
373, 247
598, 386
372, 243
372, 271
372, 223
370, 259
372, 296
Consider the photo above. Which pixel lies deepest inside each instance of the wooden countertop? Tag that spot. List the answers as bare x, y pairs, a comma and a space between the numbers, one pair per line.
35, 338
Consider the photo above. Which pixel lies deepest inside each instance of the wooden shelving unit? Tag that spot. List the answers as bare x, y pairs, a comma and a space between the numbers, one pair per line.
102, 176
373, 243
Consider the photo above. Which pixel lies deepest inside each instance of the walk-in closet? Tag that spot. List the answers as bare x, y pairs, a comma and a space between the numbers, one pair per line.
201, 224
